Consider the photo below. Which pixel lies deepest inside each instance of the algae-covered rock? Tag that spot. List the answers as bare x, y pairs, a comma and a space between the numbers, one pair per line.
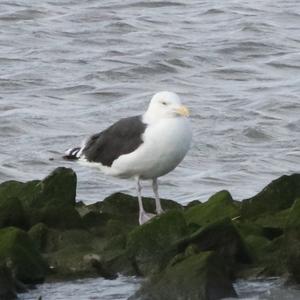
38, 234
59, 187
218, 206
94, 220
50, 201
277, 220
273, 258
257, 246
149, 246
292, 241
57, 216
125, 207
280, 194
199, 277
12, 213
7, 284
221, 237
19, 253
75, 253
114, 256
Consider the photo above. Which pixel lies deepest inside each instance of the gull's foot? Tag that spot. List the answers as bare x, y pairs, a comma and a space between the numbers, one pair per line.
145, 217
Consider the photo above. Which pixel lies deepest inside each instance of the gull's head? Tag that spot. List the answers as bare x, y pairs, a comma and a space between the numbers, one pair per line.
166, 105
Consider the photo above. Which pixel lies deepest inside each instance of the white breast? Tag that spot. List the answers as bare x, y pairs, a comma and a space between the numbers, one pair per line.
165, 145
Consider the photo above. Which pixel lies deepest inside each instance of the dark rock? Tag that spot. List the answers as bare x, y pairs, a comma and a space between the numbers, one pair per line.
57, 216
59, 187
192, 204
271, 220
292, 241
280, 194
274, 258
75, 253
114, 256
38, 234
12, 213
223, 238
198, 277
257, 246
7, 284
218, 206
18, 252
149, 246
125, 207
95, 219
101, 270
50, 201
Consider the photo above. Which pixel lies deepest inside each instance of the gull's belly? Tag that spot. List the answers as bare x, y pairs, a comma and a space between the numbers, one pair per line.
165, 145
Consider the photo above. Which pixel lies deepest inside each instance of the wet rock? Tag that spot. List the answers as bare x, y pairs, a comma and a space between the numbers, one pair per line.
198, 277
38, 234
57, 216
18, 252
257, 246
193, 203
279, 195
223, 238
75, 253
12, 213
292, 241
7, 284
95, 220
50, 201
125, 207
149, 246
273, 258
59, 187
95, 261
277, 220
218, 206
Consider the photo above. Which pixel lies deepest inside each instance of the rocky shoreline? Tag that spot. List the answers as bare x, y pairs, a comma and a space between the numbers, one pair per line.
189, 252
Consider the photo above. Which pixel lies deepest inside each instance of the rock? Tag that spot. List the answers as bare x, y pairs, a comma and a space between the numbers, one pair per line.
292, 241
38, 234
218, 206
275, 220
223, 238
59, 187
50, 201
280, 194
125, 207
104, 224
75, 253
149, 246
95, 262
7, 284
193, 203
198, 277
12, 213
94, 220
247, 228
57, 216
273, 258
114, 256
257, 246
19, 253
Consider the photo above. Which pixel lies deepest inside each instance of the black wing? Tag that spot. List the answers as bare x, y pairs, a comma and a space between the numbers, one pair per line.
123, 137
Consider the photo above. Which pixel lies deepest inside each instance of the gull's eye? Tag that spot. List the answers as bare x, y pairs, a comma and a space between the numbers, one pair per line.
164, 103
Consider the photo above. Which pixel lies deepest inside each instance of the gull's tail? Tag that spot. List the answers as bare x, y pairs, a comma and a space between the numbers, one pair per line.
73, 153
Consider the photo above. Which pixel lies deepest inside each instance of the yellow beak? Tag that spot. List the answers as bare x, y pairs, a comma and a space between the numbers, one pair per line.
183, 111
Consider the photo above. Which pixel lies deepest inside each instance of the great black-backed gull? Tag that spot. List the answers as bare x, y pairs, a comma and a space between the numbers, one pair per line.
143, 147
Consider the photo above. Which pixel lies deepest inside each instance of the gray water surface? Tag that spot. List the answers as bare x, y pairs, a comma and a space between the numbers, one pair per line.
69, 68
